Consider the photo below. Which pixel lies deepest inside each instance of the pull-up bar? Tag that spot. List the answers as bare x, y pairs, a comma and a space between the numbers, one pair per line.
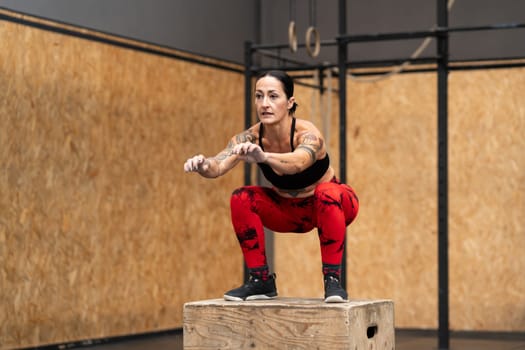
345, 39
424, 34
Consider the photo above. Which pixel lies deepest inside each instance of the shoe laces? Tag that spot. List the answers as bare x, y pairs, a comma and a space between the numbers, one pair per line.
253, 280
331, 282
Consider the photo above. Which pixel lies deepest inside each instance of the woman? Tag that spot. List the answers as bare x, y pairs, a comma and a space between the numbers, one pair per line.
306, 194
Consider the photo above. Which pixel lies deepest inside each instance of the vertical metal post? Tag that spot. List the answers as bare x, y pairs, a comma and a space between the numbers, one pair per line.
247, 100
442, 91
257, 29
247, 112
342, 57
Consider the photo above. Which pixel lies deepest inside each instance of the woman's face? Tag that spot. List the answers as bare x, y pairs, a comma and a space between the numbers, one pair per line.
270, 100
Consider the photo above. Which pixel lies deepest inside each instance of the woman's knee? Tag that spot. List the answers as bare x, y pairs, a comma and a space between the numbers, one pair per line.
340, 196
329, 192
243, 193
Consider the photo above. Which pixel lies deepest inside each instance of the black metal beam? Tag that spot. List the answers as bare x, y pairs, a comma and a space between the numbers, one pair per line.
486, 66
247, 101
441, 29
247, 114
386, 36
500, 26
496, 62
442, 91
390, 62
454, 65
305, 67
286, 46
450, 68
342, 57
371, 37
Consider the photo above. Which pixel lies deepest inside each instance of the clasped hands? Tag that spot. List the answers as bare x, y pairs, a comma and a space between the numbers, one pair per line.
250, 152
247, 151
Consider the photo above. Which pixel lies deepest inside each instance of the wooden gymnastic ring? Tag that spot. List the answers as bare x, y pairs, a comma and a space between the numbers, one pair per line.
317, 41
292, 36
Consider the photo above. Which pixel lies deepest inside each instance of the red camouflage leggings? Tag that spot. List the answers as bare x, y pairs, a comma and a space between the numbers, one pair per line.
332, 207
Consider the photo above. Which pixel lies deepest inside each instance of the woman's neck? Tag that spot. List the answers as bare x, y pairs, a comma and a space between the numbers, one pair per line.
276, 136
279, 130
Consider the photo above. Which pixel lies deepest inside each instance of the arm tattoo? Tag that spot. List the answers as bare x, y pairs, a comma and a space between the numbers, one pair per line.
309, 150
222, 156
245, 136
313, 140
311, 144
225, 153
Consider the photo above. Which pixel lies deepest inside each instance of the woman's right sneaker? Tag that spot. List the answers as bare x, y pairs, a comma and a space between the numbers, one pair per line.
333, 292
254, 289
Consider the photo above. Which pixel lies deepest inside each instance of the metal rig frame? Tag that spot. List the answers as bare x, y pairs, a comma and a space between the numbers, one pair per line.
443, 66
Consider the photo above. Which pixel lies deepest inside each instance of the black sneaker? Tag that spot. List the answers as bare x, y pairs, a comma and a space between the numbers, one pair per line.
254, 289
333, 292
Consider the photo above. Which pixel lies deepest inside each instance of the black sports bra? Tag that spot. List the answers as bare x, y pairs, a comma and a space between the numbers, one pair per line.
305, 178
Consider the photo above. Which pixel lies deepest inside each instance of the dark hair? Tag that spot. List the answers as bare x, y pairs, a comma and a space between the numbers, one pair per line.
285, 79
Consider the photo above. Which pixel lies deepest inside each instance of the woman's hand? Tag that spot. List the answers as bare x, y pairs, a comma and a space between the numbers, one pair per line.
198, 163
250, 152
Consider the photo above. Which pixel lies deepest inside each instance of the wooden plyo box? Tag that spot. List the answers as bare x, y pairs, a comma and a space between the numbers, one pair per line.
288, 323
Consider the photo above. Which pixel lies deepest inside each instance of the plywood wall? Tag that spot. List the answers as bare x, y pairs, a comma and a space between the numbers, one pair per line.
392, 164
487, 205
392, 247
101, 231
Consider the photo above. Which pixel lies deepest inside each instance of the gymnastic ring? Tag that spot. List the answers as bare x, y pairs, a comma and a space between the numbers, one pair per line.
317, 43
292, 36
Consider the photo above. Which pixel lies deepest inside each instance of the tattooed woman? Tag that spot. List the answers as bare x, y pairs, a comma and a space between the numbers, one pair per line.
291, 154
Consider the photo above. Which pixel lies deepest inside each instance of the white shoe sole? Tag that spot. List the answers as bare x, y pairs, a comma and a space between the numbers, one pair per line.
335, 299
251, 297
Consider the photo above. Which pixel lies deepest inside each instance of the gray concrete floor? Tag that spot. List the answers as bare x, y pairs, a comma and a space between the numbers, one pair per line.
405, 340
411, 340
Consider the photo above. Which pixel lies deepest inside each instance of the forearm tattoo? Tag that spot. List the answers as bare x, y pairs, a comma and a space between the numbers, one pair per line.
245, 136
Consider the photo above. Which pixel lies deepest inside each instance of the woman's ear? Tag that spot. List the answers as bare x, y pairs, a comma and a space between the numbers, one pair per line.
291, 102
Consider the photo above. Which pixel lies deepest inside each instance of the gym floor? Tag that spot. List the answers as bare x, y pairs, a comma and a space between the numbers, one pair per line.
405, 340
